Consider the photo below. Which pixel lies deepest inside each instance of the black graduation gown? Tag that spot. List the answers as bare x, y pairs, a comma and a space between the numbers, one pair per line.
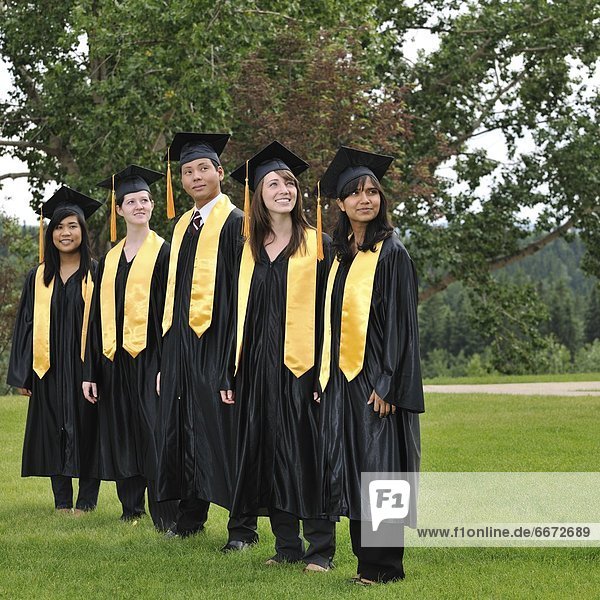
61, 429
278, 418
195, 430
354, 438
127, 398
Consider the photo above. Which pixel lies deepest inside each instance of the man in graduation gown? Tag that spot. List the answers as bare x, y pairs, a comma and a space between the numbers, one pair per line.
195, 430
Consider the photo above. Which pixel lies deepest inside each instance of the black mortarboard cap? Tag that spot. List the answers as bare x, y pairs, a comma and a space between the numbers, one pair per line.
187, 146
65, 197
273, 157
131, 179
349, 164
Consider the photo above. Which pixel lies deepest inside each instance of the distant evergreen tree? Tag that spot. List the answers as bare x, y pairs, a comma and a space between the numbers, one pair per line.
592, 316
563, 322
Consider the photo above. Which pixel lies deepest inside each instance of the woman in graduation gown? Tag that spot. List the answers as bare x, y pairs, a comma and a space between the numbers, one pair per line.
281, 286
45, 361
123, 351
370, 370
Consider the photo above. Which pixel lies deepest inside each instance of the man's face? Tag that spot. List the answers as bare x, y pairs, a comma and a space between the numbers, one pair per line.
201, 180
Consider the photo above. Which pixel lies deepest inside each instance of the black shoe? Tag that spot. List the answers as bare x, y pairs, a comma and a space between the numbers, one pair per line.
133, 517
236, 545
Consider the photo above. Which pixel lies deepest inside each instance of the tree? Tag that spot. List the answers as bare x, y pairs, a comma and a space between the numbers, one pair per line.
100, 84
17, 244
592, 316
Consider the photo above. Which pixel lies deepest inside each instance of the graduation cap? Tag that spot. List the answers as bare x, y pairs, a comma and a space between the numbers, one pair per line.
67, 198
189, 146
349, 164
131, 179
273, 157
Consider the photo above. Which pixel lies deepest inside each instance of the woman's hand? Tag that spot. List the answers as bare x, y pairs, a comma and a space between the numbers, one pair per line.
227, 396
381, 406
24, 391
316, 397
90, 391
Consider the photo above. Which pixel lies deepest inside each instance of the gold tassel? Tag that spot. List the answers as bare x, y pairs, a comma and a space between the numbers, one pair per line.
247, 206
41, 236
320, 253
113, 213
170, 202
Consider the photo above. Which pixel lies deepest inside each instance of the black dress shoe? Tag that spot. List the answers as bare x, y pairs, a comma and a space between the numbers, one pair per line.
132, 517
235, 545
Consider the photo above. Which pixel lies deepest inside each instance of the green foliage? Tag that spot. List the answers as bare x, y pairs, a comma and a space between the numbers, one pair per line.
17, 244
102, 84
588, 357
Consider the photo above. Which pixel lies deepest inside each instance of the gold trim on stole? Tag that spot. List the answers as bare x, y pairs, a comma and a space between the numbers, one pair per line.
87, 290
205, 267
42, 299
137, 297
356, 306
299, 344
326, 351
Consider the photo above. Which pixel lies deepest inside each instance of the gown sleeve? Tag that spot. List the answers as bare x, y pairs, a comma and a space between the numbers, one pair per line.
232, 250
399, 381
93, 346
20, 366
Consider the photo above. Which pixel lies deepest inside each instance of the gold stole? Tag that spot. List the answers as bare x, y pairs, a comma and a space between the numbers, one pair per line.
356, 306
299, 344
42, 300
87, 289
137, 297
205, 267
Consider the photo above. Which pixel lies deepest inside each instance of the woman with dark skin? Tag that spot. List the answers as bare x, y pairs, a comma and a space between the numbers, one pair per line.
124, 349
45, 361
370, 367
280, 291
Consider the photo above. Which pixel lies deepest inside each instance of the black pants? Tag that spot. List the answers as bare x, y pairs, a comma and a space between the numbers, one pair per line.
131, 493
87, 497
377, 564
193, 513
289, 546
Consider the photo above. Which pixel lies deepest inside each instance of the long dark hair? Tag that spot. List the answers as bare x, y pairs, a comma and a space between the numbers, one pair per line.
378, 229
260, 220
51, 253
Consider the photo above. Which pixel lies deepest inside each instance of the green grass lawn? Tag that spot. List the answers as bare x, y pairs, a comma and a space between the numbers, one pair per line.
46, 555
513, 378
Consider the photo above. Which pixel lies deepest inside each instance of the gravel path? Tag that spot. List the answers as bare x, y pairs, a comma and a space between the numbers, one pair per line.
565, 388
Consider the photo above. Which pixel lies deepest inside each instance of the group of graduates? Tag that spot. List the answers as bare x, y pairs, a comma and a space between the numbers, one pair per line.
253, 362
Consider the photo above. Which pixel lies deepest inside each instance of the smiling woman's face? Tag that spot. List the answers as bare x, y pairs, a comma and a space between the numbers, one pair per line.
67, 235
278, 193
362, 205
136, 208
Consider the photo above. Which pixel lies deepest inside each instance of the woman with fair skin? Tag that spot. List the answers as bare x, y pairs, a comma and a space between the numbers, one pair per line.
280, 290
45, 362
370, 375
124, 349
